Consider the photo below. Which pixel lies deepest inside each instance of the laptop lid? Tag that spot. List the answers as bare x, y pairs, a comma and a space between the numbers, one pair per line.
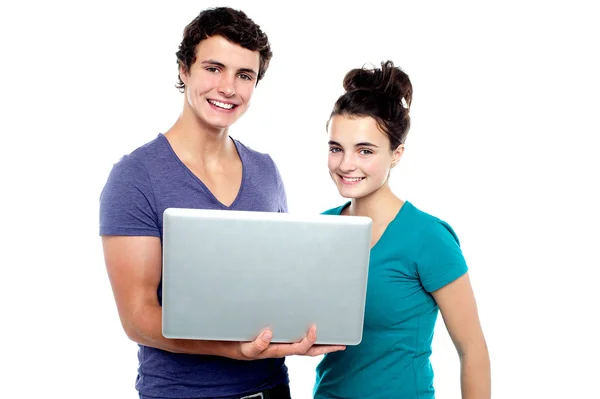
228, 274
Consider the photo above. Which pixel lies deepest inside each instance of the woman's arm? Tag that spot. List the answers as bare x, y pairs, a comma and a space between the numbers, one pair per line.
459, 310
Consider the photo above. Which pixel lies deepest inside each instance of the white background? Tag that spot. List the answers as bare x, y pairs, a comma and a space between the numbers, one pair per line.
503, 147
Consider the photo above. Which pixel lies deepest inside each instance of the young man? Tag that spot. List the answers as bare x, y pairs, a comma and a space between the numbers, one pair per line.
195, 164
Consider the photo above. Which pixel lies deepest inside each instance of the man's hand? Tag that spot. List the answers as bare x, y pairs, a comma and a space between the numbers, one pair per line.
261, 347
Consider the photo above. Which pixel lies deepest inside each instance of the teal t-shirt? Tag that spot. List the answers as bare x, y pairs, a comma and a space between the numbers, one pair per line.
417, 254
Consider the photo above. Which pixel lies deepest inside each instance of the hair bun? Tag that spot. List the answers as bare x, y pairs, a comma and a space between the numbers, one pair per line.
387, 81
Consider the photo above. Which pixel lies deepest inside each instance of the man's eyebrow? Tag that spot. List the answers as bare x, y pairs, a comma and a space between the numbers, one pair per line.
248, 70
362, 144
220, 64
365, 144
213, 62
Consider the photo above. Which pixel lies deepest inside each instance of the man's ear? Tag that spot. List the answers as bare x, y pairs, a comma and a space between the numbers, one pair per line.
183, 73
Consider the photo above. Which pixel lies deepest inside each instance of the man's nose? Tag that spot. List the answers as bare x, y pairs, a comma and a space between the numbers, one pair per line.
227, 86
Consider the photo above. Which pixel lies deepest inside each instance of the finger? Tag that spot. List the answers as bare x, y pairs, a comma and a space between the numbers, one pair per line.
306, 343
319, 350
295, 348
283, 350
259, 345
312, 334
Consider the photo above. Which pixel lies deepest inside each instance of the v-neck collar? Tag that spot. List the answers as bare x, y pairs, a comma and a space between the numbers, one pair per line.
201, 183
387, 228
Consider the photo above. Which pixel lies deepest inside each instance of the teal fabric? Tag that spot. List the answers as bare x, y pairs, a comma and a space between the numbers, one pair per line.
416, 255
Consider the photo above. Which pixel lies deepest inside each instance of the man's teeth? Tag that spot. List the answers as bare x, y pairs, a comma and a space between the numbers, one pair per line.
220, 104
352, 179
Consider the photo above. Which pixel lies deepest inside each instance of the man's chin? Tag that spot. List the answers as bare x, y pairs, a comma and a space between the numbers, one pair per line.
218, 124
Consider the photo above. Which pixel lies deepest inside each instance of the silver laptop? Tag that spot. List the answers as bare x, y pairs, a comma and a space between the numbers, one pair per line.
228, 274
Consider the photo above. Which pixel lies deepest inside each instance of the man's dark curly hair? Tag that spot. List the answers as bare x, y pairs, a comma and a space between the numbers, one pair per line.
233, 25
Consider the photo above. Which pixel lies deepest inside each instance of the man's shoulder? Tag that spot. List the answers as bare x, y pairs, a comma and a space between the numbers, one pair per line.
143, 157
257, 162
253, 154
150, 149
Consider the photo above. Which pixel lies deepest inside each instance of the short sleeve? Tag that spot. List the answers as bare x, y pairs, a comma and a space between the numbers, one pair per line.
127, 205
439, 257
283, 203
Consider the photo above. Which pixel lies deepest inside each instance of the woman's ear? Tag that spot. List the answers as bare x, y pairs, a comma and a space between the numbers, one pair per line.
397, 154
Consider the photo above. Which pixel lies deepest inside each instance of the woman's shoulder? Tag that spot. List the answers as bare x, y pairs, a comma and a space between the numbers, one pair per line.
335, 211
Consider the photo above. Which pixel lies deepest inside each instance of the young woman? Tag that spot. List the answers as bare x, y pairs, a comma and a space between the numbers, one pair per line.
416, 266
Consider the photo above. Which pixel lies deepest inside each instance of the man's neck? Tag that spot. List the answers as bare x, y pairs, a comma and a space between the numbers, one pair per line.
193, 142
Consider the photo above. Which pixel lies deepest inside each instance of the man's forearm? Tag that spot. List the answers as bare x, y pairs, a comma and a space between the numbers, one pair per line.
475, 376
146, 329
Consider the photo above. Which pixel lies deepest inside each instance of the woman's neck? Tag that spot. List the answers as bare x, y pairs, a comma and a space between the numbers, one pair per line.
381, 206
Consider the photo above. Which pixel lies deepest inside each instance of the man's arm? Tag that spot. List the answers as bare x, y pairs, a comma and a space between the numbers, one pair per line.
134, 267
459, 310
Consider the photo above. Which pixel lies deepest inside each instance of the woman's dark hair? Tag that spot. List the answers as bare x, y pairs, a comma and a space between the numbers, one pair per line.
233, 25
384, 94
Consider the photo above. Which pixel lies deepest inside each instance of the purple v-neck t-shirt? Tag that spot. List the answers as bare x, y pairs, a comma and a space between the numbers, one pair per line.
140, 186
